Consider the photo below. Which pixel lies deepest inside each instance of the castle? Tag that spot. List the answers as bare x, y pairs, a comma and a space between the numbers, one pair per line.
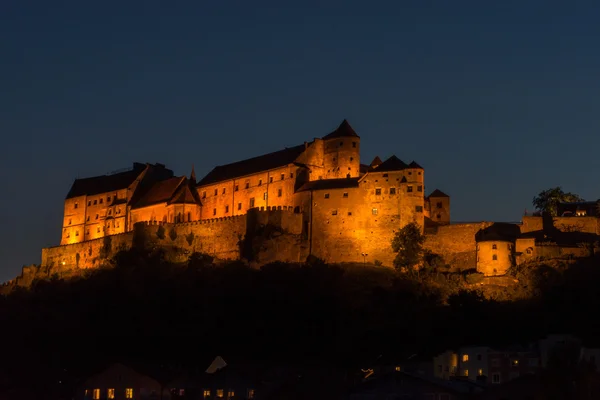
314, 199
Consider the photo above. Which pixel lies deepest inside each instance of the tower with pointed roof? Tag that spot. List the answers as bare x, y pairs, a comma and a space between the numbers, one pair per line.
341, 153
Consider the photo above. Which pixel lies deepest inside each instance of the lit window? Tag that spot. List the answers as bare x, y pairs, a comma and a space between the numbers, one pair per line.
129, 393
96, 395
264, 195
378, 192
250, 394
220, 393
279, 192
374, 211
495, 257
480, 372
230, 394
466, 372
515, 363
409, 189
110, 393
206, 394
398, 368
326, 195
465, 357
392, 191
345, 195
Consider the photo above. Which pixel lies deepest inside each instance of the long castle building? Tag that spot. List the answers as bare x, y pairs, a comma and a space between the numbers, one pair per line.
347, 210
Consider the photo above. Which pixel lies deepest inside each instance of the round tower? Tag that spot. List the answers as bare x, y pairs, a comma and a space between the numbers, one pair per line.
341, 153
496, 248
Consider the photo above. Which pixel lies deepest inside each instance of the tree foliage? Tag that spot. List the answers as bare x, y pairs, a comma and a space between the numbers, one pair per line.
548, 200
408, 243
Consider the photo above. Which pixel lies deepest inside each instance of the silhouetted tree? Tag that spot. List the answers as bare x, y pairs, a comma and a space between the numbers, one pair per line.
548, 200
408, 243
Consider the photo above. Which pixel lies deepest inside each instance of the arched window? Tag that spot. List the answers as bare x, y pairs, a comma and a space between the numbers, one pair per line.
494, 247
494, 257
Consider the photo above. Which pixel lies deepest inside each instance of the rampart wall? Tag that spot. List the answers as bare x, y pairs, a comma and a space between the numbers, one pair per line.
456, 243
563, 224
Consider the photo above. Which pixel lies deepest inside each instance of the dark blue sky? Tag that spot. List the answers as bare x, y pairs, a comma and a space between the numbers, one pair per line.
497, 100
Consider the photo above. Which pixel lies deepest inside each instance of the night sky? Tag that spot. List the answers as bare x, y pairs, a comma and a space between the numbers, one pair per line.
497, 100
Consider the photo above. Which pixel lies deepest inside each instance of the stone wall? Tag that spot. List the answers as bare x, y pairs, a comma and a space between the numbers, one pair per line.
456, 243
563, 224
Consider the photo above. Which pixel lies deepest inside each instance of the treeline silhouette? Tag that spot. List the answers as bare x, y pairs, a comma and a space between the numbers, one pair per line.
146, 309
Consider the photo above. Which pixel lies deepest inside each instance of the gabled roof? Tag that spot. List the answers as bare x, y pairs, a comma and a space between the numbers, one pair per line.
391, 164
185, 195
324, 184
344, 130
160, 192
105, 183
414, 164
252, 165
438, 193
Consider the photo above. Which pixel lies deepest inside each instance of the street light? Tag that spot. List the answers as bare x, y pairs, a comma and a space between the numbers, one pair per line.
364, 258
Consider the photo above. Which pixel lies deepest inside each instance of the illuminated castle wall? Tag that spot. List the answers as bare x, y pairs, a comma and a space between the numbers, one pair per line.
346, 211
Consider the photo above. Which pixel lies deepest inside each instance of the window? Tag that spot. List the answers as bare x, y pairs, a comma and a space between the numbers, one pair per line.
496, 378
419, 188
129, 393
216, 192
334, 212
378, 192
247, 185
239, 206
494, 247
223, 190
110, 393
226, 209
341, 144
351, 158
76, 233
326, 195
250, 394
374, 211
279, 192
204, 194
214, 211
230, 394
109, 212
89, 203
345, 195
237, 187
333, 159
398, 369
409, 189
354, 144
252, 202
96, 394
385, 175
514, 363
206, 394
101, 201
349, 213
69, 221
465, 357
76, 205
264, 195
393, 191
270, 179
97, 230
466, 372
480, 372
419, 208
282, 176
259, 182
291, 175
439, 204
108, 199
495, 257
220, 393
96, 216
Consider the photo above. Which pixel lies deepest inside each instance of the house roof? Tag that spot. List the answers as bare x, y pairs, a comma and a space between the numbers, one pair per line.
391, 164
160, 192
344, 130
324, 184
185, 195
438, 193
252, 165
105, 183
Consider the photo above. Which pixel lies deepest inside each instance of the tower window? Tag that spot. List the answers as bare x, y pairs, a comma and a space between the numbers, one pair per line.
494, 247
101, 201
237, 188
95, 202
326, 195
334, 212
76, 205
291, 175
345, 195
214, 211
89, 203
378, 192
264, 195
409, 188
204, 194
282, 176
223, 190
495, 257
351, 158
216, 192
374, 211
239, 206
252, 202
392, 190
226, 209
333, 159
439, 204
419, 188
259, 182
270, 179
279, 192
247, 185
419, 208
385, 175
354, 144
69, 221
341, 144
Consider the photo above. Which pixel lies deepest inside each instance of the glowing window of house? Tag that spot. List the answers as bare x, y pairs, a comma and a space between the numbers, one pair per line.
264, 195
214, 211
110, 393
230, 394
514, 363
226, 209
465, 357
495, 257
334, 212
250, 394
206, 394
466, 372
419, 188
96, 394
409, 188
220, 393
494, 247
374, 211
326, 195
279, 192
480, 372
345, 195
204, 194
378, 192
87, 393
398, 369
259, 182
129, 393
419, 208
239, 206
393, 191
